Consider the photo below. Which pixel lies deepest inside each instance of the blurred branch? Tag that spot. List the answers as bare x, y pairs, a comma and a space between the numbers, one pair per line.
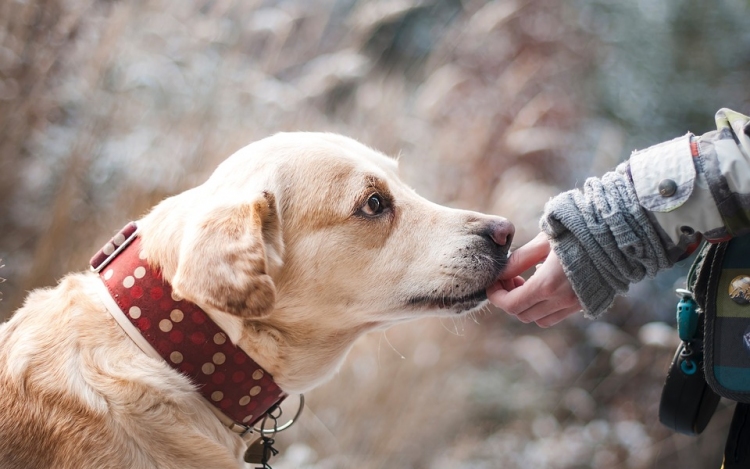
2, 279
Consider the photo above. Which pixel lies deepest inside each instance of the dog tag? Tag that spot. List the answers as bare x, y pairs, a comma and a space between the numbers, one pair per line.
255, 452
260, 452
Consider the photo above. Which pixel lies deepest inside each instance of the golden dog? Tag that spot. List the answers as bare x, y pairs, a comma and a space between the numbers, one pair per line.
296, 245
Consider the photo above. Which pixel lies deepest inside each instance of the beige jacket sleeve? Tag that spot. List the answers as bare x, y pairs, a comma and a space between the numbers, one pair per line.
698, 184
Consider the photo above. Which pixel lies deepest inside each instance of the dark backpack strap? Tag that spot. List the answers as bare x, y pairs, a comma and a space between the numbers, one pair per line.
700, 272
737, 449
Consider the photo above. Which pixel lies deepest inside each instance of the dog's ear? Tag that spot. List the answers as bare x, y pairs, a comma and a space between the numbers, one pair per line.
224, 258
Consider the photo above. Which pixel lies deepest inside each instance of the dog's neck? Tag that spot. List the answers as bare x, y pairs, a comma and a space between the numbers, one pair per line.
291, 343
300, 353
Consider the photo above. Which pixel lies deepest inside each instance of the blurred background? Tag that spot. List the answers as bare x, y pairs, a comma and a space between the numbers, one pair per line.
106, 107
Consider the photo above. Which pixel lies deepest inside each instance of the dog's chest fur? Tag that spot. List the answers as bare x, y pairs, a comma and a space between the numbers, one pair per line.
75, 392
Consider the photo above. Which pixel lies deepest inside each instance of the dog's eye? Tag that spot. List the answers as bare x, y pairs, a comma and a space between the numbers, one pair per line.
374, 205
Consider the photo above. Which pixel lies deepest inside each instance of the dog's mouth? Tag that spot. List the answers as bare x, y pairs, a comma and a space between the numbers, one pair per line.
459, 304
483, 270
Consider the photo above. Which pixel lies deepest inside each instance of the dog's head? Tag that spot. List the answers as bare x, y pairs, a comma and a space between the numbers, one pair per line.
317, 230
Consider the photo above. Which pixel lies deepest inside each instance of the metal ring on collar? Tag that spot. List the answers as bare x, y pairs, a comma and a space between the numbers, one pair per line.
271, 431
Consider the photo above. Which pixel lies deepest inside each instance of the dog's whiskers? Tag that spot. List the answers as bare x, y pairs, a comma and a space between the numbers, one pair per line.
391, 345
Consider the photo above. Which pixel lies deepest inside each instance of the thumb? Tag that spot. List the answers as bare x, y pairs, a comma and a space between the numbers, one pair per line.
527, 256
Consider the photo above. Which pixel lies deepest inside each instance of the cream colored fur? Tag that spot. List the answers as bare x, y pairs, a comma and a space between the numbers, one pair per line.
277, 246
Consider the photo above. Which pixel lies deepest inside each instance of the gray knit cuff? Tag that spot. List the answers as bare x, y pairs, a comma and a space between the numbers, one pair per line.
592, 289
604, 239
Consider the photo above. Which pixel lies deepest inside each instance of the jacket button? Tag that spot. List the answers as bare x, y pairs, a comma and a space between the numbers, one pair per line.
667, 187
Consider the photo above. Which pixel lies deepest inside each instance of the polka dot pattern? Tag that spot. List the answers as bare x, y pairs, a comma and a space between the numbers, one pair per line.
165, 325
112, 245
176, 315
175, 357
186, 337
118, 239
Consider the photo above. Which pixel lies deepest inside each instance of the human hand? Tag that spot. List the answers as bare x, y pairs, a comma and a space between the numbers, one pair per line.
546, 298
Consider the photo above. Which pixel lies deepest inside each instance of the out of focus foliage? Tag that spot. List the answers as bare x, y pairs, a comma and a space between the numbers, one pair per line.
664, 67
106, 107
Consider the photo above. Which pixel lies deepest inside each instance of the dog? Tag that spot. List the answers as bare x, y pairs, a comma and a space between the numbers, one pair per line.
294, 247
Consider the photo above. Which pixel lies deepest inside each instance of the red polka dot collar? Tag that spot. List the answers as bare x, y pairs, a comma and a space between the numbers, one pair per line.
182, 334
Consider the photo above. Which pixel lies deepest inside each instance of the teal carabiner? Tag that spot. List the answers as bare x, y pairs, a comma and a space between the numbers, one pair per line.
688, 367
687, 315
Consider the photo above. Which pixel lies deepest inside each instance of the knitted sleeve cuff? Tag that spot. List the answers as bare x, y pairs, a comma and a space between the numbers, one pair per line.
604, 239
593, 291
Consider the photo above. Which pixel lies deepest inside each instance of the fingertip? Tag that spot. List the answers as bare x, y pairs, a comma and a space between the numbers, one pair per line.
527, 256
496, 293
495, 287
543, 324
